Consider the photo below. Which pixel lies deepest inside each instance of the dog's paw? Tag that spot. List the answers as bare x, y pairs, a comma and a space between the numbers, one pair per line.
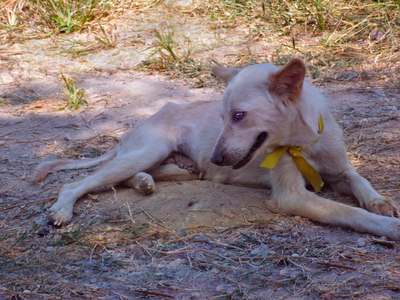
192, 169
186, 163
384, 207
390, 227
144, 183
60, 215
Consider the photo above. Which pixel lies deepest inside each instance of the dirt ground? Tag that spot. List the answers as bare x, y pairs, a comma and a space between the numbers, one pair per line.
188, 240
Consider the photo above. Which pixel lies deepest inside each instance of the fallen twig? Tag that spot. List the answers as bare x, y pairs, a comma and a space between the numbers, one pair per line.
33, 266
154, 293
336, 265
27, 203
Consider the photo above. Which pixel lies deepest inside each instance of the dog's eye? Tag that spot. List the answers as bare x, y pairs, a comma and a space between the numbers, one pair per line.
238, 116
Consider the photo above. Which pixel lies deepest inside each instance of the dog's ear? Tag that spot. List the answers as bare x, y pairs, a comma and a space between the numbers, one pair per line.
286, 84
225, 74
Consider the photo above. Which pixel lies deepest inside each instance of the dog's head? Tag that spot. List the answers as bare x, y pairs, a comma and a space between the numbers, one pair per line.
264, 106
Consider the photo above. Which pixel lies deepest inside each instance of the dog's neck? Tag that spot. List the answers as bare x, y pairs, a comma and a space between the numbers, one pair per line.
304, 128
302, 133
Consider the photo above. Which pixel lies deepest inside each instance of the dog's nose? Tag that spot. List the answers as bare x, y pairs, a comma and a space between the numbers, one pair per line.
217, 158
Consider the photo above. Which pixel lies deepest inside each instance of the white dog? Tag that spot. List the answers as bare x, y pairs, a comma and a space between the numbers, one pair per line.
265, 110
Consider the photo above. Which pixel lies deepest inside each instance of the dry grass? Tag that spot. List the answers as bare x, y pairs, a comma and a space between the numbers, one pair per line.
340, 40
281, 257
351, 40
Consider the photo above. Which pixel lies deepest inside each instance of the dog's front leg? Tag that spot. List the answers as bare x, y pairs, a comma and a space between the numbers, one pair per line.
353, 183
291, 197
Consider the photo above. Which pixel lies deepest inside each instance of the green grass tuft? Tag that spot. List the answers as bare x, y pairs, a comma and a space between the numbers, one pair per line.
53, 16
64, 16
74, 95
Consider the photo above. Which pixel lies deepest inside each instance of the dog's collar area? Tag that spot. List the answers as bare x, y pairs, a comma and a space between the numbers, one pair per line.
272, 158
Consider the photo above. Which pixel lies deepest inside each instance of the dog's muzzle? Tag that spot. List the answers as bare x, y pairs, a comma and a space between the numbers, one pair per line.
217, 159
257, 144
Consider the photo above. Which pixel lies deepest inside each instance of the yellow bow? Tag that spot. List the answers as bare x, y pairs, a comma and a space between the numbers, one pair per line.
304, 167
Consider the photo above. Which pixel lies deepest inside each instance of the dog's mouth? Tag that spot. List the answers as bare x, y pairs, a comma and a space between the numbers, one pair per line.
257, 144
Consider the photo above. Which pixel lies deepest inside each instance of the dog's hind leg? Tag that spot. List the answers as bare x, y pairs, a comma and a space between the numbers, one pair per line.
175, 167
350, 182
117, 170
290, 197
141, 182
45, 167
172, 172
144, 182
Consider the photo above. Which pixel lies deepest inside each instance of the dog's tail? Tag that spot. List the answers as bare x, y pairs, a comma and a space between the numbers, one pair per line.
66, 164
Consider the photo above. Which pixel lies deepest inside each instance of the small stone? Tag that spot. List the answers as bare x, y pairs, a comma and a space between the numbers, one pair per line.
214, 271
175, 264
26, 291
221, 288
180, 231
377, 268
195, 295
255, 252
184, 3
289, 272
376, 34
112, 246
43, 231
93, 280
200, 238
285, 272
262, 250
361, 242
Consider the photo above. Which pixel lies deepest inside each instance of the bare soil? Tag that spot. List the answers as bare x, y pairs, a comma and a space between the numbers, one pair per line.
188, 240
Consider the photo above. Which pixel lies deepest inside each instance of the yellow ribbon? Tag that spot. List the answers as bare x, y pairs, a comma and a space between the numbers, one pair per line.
304, 167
